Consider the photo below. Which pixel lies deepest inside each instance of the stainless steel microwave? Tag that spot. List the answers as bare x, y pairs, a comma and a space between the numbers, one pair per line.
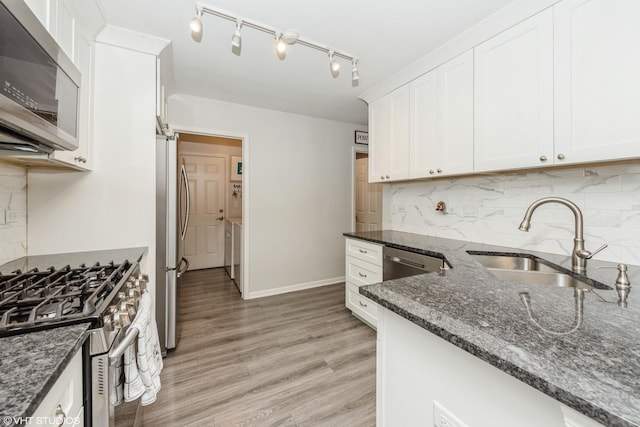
39, 85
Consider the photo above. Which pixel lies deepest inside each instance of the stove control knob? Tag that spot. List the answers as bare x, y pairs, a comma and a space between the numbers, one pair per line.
112, 309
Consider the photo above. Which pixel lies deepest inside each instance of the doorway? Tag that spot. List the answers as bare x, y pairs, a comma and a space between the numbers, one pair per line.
215, 196
368, 197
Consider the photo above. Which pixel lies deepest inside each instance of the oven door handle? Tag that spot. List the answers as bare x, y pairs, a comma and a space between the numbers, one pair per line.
129, 338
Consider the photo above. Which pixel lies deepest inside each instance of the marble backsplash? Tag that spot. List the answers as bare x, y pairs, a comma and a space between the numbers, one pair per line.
489, 208
13, 212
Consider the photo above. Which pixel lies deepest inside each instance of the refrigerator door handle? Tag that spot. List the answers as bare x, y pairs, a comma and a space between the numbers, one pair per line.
184, 179
184, 262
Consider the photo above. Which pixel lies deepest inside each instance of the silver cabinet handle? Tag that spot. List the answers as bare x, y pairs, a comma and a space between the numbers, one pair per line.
388, 177
439, 170
362, 275
363, 304
381, 176
60, 414
80, 159
432, 171
543, 158
362, 251
560, 156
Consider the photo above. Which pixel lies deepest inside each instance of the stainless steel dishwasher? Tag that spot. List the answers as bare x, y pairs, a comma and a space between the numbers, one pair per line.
397, 263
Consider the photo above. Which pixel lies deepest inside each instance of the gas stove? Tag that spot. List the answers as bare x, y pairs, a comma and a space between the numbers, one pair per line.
42, 299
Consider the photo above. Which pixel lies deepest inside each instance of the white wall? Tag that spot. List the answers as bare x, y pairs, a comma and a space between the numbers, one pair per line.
114, 205
488, 209
299, 204
13, 204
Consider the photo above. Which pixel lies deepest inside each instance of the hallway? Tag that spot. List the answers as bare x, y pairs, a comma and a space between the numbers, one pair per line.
298, 359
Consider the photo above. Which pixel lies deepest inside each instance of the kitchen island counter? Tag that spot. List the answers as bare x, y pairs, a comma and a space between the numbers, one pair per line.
592, 368
31, 363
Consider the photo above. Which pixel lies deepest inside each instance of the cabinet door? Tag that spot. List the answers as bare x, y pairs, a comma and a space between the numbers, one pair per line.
514, 96
424, 146
597, 84
389, 137
379, 137
399, 147
455, 116
81, 158
66, 28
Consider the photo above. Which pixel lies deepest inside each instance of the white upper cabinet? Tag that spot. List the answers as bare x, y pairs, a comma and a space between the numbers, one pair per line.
455, 116
442, 120
514, 97
72, 24
389, 137
597, 80
424, 125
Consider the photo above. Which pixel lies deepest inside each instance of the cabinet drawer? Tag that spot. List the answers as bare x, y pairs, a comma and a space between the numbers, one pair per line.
358, 272
364, 250
361, 306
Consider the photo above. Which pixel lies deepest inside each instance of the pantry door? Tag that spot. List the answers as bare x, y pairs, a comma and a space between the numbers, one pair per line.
204, 242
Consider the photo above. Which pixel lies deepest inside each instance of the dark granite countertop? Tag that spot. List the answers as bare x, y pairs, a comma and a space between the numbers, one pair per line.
31, 363
73, 259
593, 368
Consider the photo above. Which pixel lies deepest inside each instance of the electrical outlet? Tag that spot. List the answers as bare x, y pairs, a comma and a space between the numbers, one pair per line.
442, 417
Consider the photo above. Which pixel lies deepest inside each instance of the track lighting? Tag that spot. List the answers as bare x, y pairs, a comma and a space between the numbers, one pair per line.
283, 39
196, 26
236, 39
355, 75
334, 66
281, 48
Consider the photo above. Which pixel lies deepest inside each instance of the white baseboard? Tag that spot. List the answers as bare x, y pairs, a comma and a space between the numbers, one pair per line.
296, 287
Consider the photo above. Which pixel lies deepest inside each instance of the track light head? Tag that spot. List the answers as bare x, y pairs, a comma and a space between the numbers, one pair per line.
355, 75
281, 48
283, 40
196, 26
334, 66
236, 39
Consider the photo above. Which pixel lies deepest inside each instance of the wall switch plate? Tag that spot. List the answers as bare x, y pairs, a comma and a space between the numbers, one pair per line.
442, 417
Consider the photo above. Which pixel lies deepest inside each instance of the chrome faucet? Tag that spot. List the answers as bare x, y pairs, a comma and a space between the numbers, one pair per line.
580, 255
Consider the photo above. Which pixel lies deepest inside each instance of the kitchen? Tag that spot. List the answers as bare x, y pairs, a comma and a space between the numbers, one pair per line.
61, 211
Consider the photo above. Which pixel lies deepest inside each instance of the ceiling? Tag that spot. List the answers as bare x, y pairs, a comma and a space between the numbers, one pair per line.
386, 36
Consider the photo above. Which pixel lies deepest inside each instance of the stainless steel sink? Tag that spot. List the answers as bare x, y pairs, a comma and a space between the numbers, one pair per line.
530, 270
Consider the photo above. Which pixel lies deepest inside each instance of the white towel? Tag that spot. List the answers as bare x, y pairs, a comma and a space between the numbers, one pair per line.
143, 377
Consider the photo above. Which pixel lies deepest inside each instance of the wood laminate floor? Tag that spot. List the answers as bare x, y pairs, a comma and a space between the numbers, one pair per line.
298, 359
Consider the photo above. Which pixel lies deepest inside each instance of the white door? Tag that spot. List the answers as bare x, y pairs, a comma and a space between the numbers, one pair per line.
597, 84
204, 242
514, 96
368, 199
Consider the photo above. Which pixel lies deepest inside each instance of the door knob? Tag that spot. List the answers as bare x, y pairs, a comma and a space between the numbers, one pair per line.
221, 210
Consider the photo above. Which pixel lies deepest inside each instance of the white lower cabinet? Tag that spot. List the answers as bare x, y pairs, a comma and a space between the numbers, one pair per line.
363, 266
422, 378
63, 403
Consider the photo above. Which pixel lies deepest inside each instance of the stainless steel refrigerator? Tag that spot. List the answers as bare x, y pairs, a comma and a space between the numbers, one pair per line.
172, 218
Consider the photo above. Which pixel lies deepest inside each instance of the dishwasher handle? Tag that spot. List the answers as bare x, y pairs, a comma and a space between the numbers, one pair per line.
405, 262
